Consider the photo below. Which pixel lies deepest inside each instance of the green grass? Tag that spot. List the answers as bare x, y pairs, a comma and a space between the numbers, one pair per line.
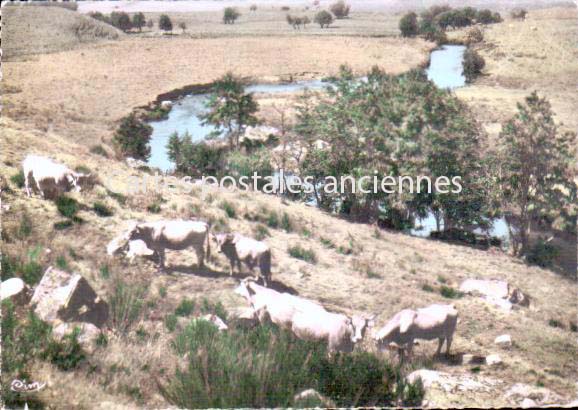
185, 308
171, 322
450, 293
104, 271
61, 262
25, 228
229, 209
125, 305
62, 225
154, 208
327, 242
29, 269
266, 366
286, 223
68, 207
427, 287
102, 210
298, 252
18, 179
98, 150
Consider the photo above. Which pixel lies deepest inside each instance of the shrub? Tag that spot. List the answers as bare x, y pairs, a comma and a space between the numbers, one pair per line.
229, 209
98, 150
61, 262
542, 254
408, 25
298, 252
230, 14
323, 18
473, 64
261, 232
555, 323
327, 242
68, 207
171, 322
102, 210
487, 17
449, 292
132, 138
66, 354
183, 26
25, 227
285, 8
266, 367
62, 225
120, 20
253, 7
427, 287
154, 208
18, 179
273, 220
185, 308
125, 305
213, 308
165, 23
339, 9
286, 223
138, 21
518, 14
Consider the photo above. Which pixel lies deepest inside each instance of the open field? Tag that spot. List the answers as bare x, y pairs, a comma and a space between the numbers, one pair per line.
60, 101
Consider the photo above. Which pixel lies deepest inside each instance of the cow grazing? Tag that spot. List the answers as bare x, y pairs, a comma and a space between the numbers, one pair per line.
339, 331
161, 235
51, 178
432, 322
238, 248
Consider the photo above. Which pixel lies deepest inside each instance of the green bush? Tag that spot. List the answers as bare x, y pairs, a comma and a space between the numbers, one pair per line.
61, 225
98, 150
61, 262
229, 209
66, 354
473, 64
427, 287
165, 23
449, 292
125, 305
102, 210
30, 270
298, 252
323, 18
266, 367
68, 207
230, 15
18, 179
339, 9
132, 138
273, 220
542, 254
154, 208
408, 25
185, 308
261, 232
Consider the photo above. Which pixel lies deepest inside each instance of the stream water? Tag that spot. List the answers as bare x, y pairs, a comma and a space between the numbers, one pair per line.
445, 70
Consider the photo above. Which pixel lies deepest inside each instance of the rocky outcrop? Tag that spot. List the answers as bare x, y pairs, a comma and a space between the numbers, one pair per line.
68, 297
498, 293
520, 393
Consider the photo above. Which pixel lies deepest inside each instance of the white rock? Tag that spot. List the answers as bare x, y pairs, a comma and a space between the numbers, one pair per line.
166, 104
493, 360
503, 304
492, 288
528, 404
312, 395
503, 341
62, 296
540, 395
13, 288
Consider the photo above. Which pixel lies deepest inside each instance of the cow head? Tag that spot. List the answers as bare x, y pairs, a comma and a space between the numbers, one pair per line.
223, 240
121, 242
396, 329
359, 324
244, 290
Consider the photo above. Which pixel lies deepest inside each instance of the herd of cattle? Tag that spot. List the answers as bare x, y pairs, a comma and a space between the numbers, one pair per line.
305, 318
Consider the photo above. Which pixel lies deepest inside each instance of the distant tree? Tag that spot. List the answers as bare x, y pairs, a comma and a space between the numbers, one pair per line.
253, 7
230, 14
231, 109
97, 15
132, 137
518, 14
536, 169
138, 21
340, 10
487, 17
474, 35
323, 18
120, 20
183, 26
195, 159
165, 23
408, 25
473, 64
150, 23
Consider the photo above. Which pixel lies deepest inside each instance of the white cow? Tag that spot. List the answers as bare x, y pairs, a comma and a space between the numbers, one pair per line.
167, 234
307, 319
213, 319
238, 248
49, 176
432, 322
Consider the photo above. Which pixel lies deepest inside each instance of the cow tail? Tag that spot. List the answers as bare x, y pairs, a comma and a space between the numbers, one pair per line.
208, 240
265, 265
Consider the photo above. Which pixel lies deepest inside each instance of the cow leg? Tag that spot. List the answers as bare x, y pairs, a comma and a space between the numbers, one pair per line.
162, 258
448, 345
440, 344
232, 267
200, 256
27, 184
39, 189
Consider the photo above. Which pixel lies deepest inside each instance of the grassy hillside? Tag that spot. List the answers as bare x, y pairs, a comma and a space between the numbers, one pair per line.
35, 30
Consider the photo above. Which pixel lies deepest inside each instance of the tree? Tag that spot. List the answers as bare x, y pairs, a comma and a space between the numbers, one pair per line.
132, 137
230, 14
323, 18
487, 17
408, 25
339, 9
536, 168
183, 26
473, 64
165, 23
120, 20
231, 109
195, 158
138, 21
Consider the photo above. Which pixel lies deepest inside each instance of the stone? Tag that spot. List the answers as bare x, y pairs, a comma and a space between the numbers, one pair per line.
14, 289
528, 404
68, 297
491, 288
473, 359
503, 341
312, 398
541, 395
86, 337
493, 360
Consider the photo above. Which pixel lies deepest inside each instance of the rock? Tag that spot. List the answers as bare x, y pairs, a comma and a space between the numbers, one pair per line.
259, 133
473, 359
452, 383
311, 398
62, 296
166, 104
491, 288
528, 404
87, 336
14, 289
493, 360
541, 395
135, 163
503, 341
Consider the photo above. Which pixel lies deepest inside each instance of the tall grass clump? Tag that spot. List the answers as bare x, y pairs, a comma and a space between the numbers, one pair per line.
267, 366
298, 252
125, 305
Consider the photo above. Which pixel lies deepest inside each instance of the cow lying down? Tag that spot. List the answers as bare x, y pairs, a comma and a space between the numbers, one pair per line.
161, 235
432, 322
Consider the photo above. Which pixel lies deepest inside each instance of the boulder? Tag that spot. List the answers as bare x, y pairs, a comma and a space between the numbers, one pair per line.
311, 398
86, 337
14, 289
503, 341
528, 404
68, 297
490, 288
493, 360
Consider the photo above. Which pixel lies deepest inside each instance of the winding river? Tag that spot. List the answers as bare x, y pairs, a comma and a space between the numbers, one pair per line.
445, 70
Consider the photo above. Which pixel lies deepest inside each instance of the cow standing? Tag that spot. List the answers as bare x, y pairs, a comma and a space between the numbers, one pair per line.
238, 248
174, 235
432, 322
51, 178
